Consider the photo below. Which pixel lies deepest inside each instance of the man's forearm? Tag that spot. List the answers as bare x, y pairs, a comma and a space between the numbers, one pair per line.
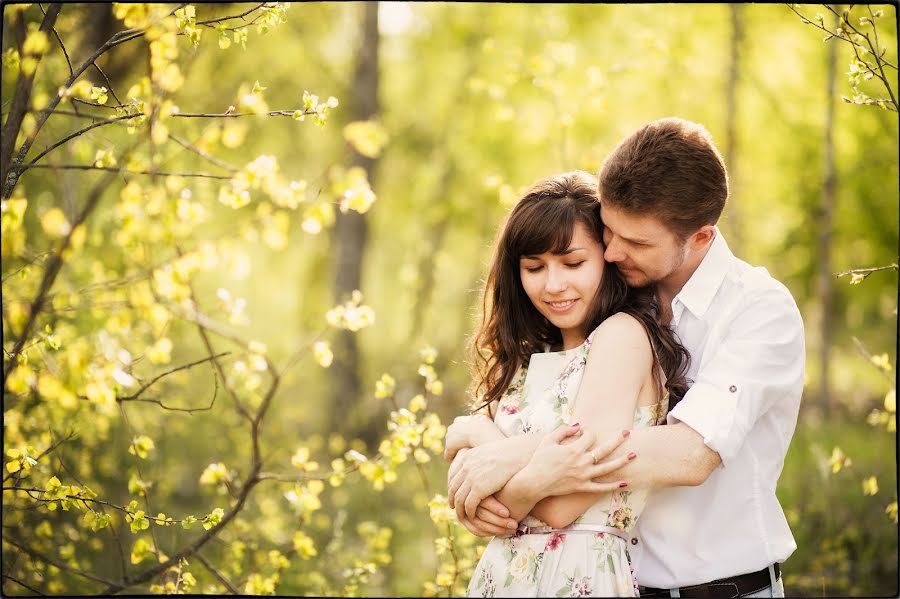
673, 455
519, 495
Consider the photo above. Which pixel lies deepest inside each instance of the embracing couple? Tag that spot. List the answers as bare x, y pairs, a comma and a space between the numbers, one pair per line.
613, 306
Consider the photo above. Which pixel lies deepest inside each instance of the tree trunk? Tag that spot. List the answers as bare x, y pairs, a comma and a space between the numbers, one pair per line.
350, 234
735, 237
824, 279
21, 95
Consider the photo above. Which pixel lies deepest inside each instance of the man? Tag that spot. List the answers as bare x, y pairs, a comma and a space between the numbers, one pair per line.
713, 526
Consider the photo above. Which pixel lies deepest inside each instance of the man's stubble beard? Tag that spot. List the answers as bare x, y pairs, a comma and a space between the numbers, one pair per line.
646, 281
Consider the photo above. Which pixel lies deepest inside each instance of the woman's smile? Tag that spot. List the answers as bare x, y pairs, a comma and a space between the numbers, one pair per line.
561, 306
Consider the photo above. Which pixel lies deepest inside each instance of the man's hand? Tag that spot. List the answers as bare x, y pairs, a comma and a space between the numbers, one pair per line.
469, 431
489, 520
476, 473
566, 463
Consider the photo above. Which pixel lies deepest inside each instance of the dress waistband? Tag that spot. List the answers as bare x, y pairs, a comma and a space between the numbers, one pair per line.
528, 530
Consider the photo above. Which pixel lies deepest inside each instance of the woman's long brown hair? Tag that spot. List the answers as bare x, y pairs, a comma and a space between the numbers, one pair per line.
512, 328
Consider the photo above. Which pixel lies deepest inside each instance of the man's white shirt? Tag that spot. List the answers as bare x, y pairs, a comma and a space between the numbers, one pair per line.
744, 334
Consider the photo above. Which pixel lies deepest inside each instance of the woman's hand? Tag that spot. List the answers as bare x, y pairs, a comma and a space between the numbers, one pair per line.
469, 431
566, 463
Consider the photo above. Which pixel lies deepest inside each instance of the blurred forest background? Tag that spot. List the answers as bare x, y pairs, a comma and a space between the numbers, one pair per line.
195, 399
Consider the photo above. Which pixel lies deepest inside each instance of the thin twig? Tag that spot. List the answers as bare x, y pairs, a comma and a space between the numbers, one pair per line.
219, 115
240, 16
202, 329
91, 167
31, 491
188, 410
59, 565
108, 84
145, 491
22, 584
81, 131
46, 452
167, 373
865, 271
205, 155
61, 44
833, 34
40, 256
216, 573
868, 356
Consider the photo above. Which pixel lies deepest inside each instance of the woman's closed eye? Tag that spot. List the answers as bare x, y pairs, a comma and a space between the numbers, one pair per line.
575, 264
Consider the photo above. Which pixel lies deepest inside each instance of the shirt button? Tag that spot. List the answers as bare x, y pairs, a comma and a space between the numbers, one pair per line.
733, 389
634, 541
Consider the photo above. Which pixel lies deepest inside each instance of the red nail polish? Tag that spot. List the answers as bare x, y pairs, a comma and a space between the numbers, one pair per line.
577, 424
632, 455
626, 433
623, 484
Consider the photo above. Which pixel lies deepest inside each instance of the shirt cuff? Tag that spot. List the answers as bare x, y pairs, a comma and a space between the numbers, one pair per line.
710, 412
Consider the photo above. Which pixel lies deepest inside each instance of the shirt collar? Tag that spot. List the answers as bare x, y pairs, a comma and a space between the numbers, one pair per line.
699, 290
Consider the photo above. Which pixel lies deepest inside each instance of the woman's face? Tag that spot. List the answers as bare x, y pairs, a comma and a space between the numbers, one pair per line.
562, 286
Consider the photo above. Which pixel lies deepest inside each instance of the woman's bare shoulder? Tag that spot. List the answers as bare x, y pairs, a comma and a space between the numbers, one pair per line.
622, 327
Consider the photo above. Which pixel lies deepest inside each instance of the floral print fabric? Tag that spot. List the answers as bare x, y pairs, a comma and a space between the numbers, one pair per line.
562, 564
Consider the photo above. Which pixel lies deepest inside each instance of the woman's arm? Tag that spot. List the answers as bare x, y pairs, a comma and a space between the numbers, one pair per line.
617, 368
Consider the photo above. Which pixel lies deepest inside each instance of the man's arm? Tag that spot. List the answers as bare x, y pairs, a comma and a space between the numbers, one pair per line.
671, 456
470, 431
758, 362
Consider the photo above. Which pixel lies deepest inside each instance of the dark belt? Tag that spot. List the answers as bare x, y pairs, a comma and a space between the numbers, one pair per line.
735, 586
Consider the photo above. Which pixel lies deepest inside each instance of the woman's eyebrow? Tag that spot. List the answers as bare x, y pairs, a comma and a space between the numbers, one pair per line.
537, 257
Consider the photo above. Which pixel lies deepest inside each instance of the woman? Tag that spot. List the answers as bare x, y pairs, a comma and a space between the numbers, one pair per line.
562, 339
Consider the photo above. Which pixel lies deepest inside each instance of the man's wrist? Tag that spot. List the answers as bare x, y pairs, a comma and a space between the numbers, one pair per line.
526, 486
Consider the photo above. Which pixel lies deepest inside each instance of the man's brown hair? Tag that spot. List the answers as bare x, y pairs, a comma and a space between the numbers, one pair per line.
671, 169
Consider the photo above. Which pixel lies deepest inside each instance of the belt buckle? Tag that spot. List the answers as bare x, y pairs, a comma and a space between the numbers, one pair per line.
521, 530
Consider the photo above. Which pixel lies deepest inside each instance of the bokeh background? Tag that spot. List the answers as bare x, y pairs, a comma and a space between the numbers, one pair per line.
205, 221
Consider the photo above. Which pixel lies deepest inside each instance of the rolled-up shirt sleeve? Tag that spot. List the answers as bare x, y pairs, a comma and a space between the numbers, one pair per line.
758, 362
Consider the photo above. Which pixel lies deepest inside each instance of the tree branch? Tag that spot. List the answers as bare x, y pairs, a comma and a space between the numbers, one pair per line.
54, 264
834, 34
9, 175
221, 370
250, 482
59, 565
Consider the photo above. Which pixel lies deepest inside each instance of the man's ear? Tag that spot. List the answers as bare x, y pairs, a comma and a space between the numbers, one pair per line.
701, 239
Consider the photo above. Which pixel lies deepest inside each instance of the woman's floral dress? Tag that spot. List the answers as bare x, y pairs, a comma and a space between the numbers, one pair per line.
576, 563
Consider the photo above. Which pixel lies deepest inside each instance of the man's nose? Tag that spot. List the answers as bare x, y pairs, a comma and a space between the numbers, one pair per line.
613, 252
